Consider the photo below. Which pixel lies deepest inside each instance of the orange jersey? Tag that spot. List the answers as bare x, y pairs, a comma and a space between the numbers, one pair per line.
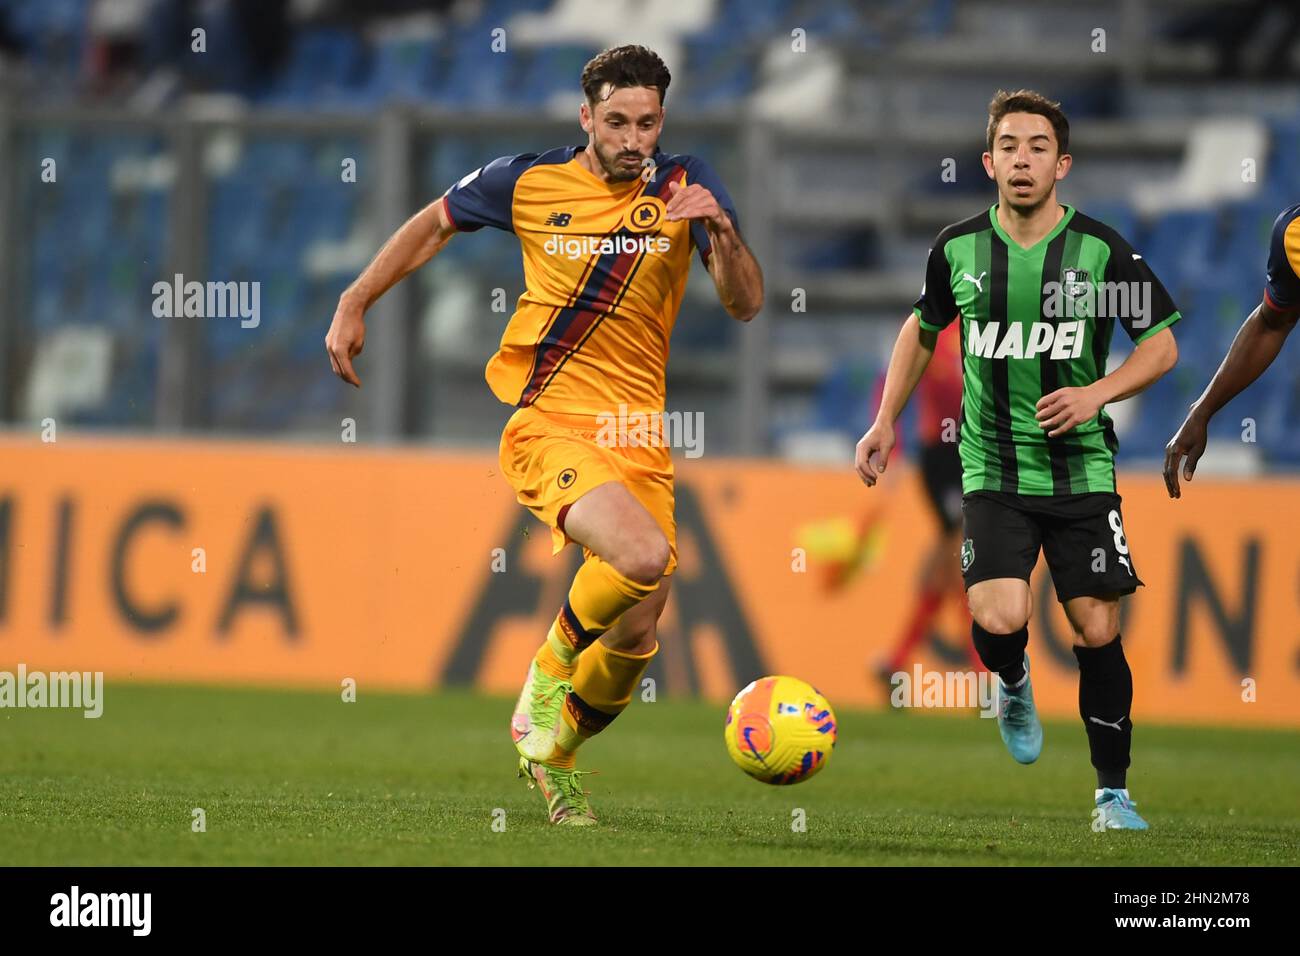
604, 274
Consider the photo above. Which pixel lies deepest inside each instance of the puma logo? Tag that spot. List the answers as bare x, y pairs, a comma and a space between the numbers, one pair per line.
1107, 723
978, 283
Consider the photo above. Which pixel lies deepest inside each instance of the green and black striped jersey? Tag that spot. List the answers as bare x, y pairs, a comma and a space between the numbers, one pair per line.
1032, 321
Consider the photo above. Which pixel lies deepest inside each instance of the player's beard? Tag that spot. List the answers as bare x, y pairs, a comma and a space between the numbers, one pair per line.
614, 168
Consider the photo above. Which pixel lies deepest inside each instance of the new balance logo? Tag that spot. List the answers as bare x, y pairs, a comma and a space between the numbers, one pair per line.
558, 219
978, 283
1107, 723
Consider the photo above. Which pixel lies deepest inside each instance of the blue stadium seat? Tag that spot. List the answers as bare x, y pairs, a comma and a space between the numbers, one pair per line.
1180, 245
1118, 214
324, 66
831, 250
933, 18
1159, 409
281, 198
555, 69
468, 74
53, 33
1245, 245
740, 21
226, 63
1279, 420
843, 402
403, 69
717, 75
1283, 168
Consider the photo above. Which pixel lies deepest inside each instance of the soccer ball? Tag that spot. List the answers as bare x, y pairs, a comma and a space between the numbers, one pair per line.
780, 730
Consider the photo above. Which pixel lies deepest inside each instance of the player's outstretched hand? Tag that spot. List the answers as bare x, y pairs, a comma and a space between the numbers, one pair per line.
692, 202
345, 340
878, 441
1065, 408
1189, 441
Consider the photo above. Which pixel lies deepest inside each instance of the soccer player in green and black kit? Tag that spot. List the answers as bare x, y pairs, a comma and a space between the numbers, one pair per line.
1038, 288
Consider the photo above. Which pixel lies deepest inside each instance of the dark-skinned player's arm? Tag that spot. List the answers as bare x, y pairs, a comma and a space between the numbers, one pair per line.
411, 246
1257, 344
912, 353
735, 271
1065, 408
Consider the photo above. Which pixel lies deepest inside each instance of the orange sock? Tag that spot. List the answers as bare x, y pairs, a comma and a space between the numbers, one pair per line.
562, 759
602, 688
598, 597
548, 662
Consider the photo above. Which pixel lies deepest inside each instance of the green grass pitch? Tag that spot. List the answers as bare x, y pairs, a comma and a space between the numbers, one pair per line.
289, 777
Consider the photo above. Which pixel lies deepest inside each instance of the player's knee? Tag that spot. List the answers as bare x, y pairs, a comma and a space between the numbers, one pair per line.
1001, 617
1096, 632
644, 559
1095, 623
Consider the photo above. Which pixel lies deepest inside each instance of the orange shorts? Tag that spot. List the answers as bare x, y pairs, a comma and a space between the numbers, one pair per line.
552, 459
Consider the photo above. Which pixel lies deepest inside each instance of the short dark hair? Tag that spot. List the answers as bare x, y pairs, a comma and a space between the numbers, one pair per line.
624, 66
1027, 101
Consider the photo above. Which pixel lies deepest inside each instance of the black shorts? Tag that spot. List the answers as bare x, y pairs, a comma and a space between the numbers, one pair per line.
1082, 537
941, 472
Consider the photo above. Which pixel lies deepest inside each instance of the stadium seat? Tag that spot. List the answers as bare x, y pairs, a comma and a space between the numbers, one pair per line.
552, 70
1245, 245
1214, 145
403, 69
717, 76
1120, 216
471, 76
1180, 245
324, 65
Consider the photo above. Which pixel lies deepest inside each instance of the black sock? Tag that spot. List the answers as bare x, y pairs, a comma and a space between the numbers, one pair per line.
1105, 700
1004, 654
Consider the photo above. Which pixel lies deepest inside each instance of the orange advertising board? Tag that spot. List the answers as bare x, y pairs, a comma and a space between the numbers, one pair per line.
260, 564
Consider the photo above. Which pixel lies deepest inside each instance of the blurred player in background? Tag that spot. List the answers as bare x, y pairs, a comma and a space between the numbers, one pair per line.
843, 546
1257, 344
1034, 285
607, 231
939, 466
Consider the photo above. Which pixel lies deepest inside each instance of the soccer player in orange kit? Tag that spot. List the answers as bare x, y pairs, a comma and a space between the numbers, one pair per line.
606, 231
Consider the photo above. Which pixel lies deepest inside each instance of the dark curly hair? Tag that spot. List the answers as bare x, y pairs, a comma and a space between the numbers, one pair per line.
621, 67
